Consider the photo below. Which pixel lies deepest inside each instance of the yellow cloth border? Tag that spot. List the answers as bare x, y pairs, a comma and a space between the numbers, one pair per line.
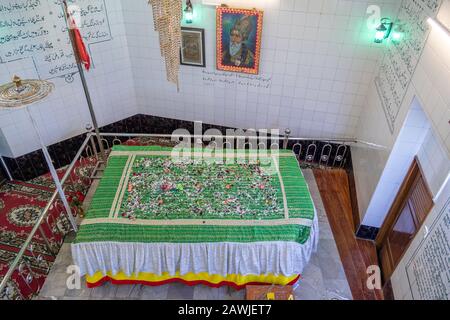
215, 279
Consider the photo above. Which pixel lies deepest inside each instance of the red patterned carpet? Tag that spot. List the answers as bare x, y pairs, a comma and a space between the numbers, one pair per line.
20, 207
21, 203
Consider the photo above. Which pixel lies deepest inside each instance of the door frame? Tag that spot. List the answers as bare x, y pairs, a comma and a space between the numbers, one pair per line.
403, 193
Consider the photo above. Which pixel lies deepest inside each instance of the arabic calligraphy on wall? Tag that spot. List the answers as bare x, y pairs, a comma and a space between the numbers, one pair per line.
401, 59
37, 30
429, 268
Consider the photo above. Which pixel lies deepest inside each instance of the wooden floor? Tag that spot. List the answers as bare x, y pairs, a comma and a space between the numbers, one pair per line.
356, 254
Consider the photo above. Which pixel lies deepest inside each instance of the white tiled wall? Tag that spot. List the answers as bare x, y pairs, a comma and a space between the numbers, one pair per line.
435, 162
65, 114
430, 85
416, 138
319, 56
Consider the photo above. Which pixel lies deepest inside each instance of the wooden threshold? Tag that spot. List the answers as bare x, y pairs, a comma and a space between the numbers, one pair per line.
356, 254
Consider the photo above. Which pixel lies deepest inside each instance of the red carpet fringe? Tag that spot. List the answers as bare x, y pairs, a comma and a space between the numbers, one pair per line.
174, 280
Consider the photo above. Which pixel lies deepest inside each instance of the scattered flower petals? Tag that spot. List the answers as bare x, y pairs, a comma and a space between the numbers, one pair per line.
161, 189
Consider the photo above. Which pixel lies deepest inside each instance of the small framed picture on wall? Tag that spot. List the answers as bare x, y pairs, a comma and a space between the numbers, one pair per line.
192, 47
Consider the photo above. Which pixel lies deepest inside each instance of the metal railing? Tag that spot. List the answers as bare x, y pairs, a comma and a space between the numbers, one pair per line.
319, 151
18, 263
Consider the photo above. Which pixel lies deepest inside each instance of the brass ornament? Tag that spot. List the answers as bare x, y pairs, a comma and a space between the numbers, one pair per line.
20, 93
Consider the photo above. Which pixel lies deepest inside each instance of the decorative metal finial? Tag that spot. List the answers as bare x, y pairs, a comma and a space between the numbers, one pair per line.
18, 82
287, 133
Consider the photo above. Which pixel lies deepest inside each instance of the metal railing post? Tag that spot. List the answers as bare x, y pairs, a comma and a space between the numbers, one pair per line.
37, 227
287, 133
47, 242
8, 173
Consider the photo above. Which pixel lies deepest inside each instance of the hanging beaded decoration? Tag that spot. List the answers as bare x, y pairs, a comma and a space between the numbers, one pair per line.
167, 15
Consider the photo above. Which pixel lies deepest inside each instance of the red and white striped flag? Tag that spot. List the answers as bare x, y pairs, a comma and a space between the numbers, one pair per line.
79, 47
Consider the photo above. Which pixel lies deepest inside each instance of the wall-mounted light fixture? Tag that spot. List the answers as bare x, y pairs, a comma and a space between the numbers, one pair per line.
397, 37
383, 31
439, 26
188, 12
398, 33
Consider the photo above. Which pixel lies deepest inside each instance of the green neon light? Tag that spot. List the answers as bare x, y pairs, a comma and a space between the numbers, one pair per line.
384, 30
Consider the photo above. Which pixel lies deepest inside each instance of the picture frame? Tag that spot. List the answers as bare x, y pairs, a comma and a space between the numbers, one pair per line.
192, 51
238, 39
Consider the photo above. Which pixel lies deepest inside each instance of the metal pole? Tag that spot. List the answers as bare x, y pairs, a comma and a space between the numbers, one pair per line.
94, 148
91, 110
83, 81
287, 133
15, 263
6, 169
54, 174
47, 242
155, 135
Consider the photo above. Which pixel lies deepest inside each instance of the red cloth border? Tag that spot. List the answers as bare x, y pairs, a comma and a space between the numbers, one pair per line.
173, 280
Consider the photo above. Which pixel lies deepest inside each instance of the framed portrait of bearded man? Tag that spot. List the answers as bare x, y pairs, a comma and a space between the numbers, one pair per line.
238, 39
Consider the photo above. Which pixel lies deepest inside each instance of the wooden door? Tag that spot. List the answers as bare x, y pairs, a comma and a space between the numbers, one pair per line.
409, 210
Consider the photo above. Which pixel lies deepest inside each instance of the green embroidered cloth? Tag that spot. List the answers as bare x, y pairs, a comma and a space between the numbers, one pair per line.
148, 196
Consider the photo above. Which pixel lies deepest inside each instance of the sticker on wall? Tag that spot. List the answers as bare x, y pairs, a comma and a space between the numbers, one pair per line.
238, 39
401, 58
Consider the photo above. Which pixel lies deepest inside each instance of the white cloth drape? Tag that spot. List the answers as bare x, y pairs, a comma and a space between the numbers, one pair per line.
222, 258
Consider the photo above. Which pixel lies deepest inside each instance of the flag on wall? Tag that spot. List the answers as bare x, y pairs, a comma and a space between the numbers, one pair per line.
78, 43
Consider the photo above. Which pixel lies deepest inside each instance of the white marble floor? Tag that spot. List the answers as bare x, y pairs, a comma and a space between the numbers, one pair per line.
322, 279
